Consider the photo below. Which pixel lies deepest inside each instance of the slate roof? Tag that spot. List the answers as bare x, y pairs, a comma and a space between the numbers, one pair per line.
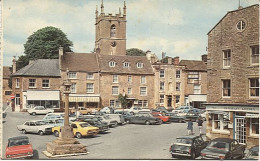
6, 72
132, 60
80, 62
40, 67
195, 65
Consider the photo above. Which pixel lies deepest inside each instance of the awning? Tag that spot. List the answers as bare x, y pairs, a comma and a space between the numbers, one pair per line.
42, 95
252, 115
84, 98
197, 98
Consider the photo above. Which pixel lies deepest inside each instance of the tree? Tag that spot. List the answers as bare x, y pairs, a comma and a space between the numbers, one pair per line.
123, 100
135, 52
44, 44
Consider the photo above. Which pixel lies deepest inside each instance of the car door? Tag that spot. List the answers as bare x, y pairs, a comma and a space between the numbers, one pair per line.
33, 127
74, 128
235, 150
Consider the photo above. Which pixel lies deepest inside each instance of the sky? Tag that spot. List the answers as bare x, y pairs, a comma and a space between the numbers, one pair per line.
177, 27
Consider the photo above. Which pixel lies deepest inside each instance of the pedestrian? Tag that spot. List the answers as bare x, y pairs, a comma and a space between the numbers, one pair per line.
190, 127
200, 124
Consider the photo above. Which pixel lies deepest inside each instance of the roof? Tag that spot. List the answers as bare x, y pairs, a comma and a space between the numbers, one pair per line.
227, 140
195, 65
18, 138
40, 67
119, 60
256, 5
84, 62
6, 72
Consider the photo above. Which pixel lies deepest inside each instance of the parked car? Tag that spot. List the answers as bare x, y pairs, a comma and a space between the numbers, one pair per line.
253, 153
118, 117
188, 146
181, 109
79, 129
84, 111
103, 126
38, 110
192, 115
165, 119
127, 115
107, 110
223, 148
176, 118
135, 110
54, 116
104, 118
35, 126
18, 147
55, 122
161, 109
144, 118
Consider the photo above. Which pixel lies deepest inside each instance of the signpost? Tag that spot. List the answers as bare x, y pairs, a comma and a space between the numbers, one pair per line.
12, 96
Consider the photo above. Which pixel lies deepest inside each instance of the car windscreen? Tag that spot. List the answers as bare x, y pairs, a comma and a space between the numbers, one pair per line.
219, 145
18, 142
184, 141
84, 125
39, 123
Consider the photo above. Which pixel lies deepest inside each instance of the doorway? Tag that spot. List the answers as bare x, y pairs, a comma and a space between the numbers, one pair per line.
241, 130
169, 101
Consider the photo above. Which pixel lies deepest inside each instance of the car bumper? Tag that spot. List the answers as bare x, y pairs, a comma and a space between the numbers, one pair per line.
92, 133
20, 156
181, 154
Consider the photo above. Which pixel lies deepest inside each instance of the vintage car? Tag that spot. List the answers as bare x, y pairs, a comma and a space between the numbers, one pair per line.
103, 126
223, 148
55, 122
192, 115
135, 110
54, 116
18, 147
144, 118
35, 126
188, 146
84, 111
253, 153
181, 109
127, 115
162, 110
118, 117
107, 110
165, 119
79, 129
39, 110
176, 118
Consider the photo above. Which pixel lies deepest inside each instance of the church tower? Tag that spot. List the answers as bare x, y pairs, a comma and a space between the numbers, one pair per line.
110, 32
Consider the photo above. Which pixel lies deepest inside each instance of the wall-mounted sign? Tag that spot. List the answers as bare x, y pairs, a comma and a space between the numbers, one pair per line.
233, 108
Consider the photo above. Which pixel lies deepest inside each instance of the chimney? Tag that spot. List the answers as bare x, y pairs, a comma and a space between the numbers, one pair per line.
176, 60
204, 58
14, 64
163, 55
60, 55
169, 60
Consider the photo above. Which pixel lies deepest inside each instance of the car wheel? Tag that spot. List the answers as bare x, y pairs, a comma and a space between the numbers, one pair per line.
88, 113
147, 123
56, 133
132, 113
193, 155
78, 135
116, 123
127, 121
33, 113
41, 133
180, 121
24, 131
174, 156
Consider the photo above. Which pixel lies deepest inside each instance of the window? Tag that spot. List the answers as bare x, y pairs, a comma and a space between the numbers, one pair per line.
17, 99
254, 126
90, 87
145, 103
216, 121
140, 65
90, 76
72, 75
45, 83
220, 121
255, 54
142, 103
177, 99
178, 86
129, 78
254, 87
161, 98
161, 73
129, 91
115, 78
226, 58
193, 77
7, 93
113, 31
178, 74
115, 90
143, 80
226, 88
32, 83
196, 89
112, 64
17, 83
114, 103
73, 88
161, 86
126, 65
143, 91
241, 25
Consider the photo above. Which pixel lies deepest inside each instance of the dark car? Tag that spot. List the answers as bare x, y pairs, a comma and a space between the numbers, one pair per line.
161, 109
188, 146
144, 118
192, 115
127, 115
103, 126
175, 118
253, 153
223, 148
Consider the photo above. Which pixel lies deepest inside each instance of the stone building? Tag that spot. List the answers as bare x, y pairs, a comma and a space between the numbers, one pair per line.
7, 91
233, 77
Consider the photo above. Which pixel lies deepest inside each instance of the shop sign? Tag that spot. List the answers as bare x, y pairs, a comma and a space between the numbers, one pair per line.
252, 115
233, 108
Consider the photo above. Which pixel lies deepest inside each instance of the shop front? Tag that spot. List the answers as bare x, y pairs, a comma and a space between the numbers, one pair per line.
84, 100
240, 122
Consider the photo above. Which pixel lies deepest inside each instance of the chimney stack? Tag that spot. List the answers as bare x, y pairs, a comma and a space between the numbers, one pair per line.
14, 65
169, 60
60, 55
204, 58
176, 60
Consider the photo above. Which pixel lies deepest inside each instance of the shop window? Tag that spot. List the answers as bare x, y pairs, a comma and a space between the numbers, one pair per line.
254, 87
216, 121
226, 88
220, 121
226, 58
254, 126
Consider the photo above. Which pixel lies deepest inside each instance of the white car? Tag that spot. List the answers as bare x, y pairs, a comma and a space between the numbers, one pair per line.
35, 126
106, 110
39, 110
135, 110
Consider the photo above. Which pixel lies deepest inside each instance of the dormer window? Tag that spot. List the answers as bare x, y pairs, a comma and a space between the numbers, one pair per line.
112, 64
140, 65
126, 65
113, 31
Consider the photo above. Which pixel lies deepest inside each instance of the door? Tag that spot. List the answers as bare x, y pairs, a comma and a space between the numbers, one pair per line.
169, 101
241, 130
17, 103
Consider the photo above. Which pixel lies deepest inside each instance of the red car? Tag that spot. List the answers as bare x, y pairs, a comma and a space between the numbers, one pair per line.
160, 116
18, 147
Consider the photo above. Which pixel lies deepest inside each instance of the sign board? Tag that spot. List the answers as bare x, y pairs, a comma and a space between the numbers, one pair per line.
12, 96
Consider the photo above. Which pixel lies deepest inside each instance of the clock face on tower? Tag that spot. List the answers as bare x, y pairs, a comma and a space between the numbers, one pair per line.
113, 43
